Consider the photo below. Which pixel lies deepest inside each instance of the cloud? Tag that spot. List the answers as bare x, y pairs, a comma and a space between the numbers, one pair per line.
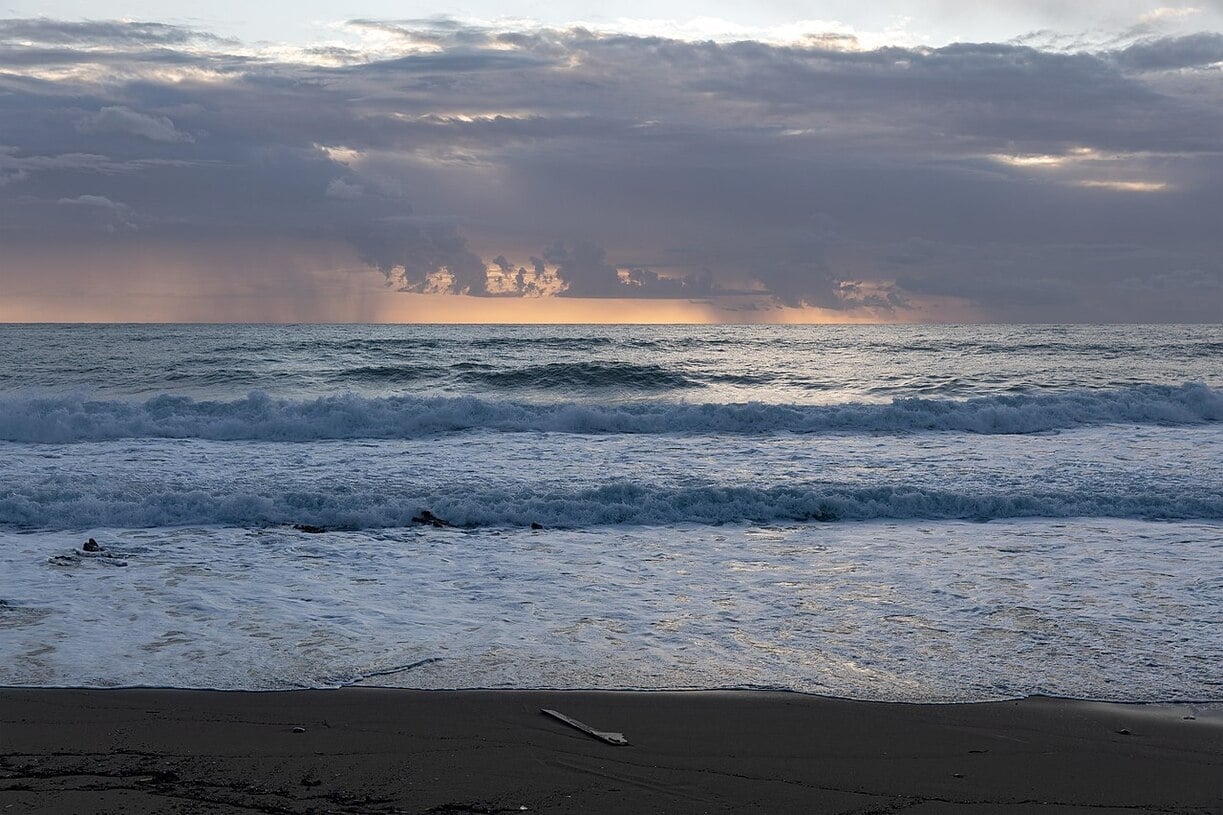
16, 167
344, 190
1071, 282
878, 182
117, 119
100, 33
533, 279
1195, 50
101, 212
95, 201
584, 268
419, 256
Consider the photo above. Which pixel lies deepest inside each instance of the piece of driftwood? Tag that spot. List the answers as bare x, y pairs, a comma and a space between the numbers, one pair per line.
617, 739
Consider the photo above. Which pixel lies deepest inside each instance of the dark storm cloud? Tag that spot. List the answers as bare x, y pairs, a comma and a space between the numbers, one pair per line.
1030, 184
1196, 50
1069, 283
409, 252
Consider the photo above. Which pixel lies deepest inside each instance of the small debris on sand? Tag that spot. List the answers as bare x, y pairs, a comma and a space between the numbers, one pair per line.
617, 739
427, 517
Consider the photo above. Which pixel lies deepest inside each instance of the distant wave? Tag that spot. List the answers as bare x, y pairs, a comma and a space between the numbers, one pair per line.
261, 417
385, 373
582, 376
614, 503
500, 343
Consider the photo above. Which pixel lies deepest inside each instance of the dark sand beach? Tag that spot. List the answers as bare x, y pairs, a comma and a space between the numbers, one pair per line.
383, 751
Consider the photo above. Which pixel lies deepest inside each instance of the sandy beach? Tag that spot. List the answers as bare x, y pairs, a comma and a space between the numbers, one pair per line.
394, 751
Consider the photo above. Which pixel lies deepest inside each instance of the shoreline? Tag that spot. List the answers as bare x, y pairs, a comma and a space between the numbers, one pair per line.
385, 750
1212, 708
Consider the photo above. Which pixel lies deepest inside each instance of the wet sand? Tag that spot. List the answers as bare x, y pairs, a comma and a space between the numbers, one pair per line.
363, 750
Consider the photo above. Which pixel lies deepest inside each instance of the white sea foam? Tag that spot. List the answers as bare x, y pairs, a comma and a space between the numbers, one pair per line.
63, 419
942, 611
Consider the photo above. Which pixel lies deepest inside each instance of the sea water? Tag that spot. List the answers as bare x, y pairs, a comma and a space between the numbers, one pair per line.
883, 512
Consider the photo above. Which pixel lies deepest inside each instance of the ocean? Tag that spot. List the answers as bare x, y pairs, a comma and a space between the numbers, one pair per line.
876, 512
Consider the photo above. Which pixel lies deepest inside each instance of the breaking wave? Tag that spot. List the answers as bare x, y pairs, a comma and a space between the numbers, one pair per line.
610, 504
65, 419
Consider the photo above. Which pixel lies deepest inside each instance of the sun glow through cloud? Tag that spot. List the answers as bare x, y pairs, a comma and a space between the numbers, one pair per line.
1126, 186
1082, 166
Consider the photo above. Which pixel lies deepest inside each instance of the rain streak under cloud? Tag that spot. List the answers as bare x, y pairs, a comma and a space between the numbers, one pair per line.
824, 175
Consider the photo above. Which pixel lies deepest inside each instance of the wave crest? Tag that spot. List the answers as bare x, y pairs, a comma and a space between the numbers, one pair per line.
66, 419
615, 503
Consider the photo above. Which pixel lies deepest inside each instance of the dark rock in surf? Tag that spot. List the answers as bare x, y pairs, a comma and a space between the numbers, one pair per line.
95, 552
536, 525
427, 517
310, 528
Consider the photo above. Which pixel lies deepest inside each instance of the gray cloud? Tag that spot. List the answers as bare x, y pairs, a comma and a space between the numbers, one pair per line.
1195, 50
118, 119
585, 268
585, 165
94, 201
98, 211
412, 254
95, 33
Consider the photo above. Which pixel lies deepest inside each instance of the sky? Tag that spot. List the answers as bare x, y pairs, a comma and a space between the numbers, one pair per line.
937, 161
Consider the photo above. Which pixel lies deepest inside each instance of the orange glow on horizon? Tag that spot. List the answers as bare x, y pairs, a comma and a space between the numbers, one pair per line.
323, 283
398, 307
